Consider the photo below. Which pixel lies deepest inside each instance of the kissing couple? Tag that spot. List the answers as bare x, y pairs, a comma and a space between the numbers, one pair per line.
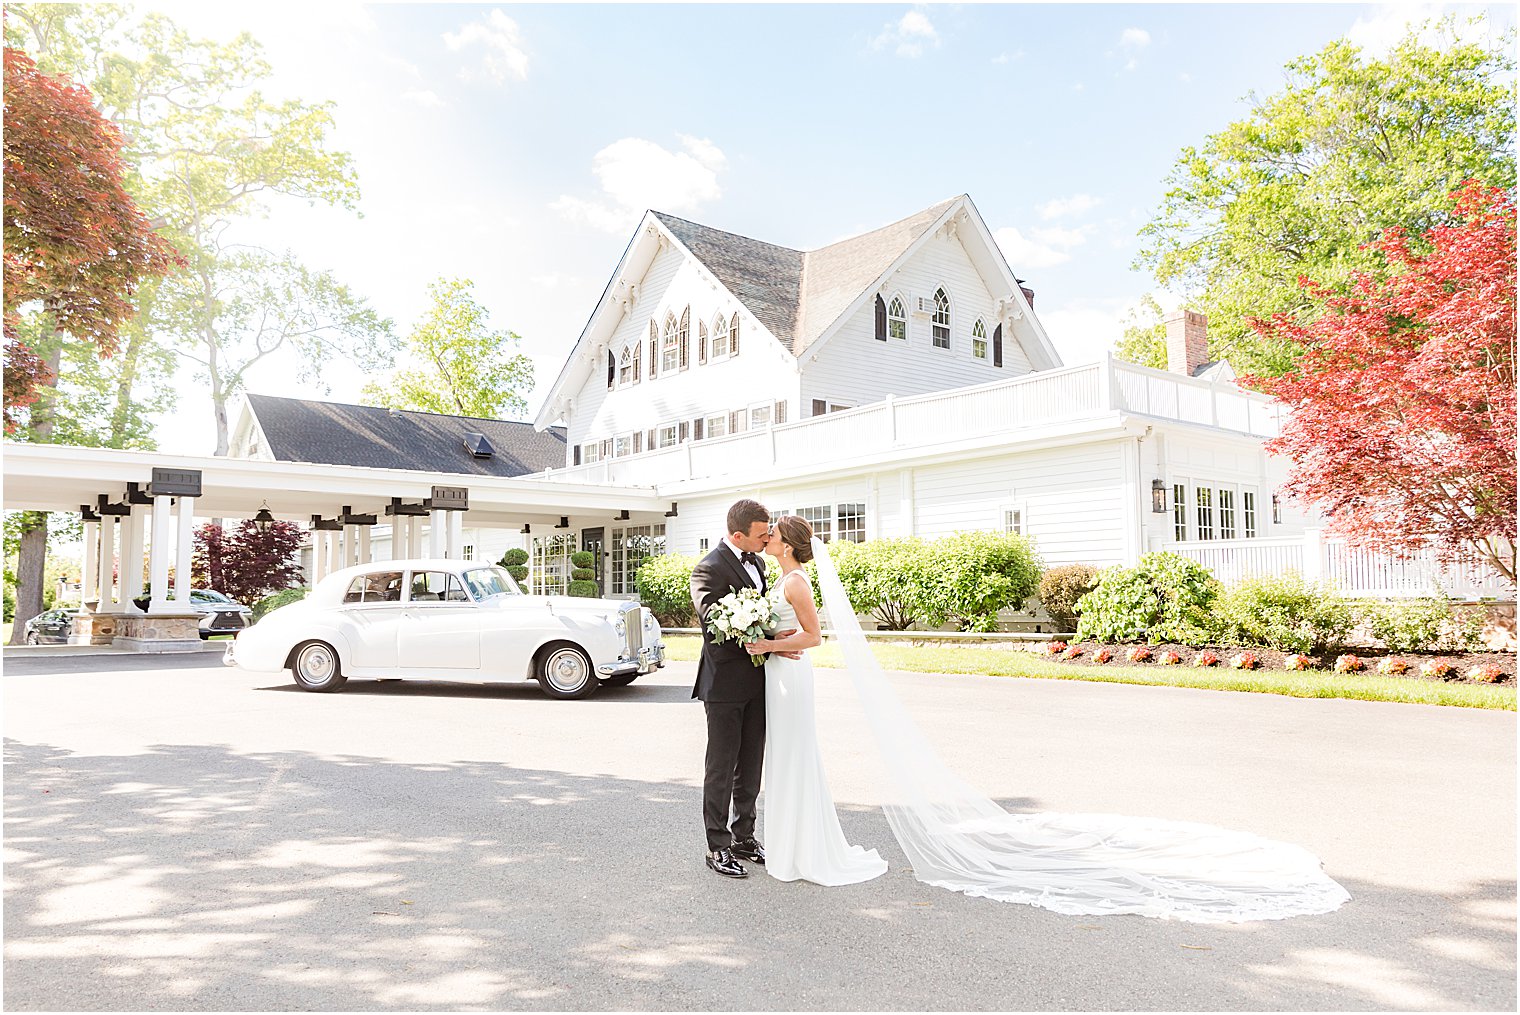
760, 720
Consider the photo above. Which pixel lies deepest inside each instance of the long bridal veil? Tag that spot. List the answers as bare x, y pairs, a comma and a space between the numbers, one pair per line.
1079, 864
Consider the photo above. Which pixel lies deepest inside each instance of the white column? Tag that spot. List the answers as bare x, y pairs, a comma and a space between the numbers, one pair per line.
414, 537
364, 557
107, 560
182, 549
132, 562
334, 550
89, 582
318, 555
456, 534
158, 556
437, 528
1314, 553
351, 545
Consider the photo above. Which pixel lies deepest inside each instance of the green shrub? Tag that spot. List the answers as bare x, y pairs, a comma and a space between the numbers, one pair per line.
519, 573
1166, 597
1422, 625
1286, 613
664, 585
515, 557
583, 590
977, 574
582, 559
891, 580
270, 603
1061, 587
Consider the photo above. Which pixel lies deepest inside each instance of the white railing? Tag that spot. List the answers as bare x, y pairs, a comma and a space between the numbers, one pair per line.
1172, 396
1352, 571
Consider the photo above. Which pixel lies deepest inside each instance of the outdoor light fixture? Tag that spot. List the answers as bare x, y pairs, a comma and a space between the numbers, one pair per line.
1158, 497
527, 529
263, 521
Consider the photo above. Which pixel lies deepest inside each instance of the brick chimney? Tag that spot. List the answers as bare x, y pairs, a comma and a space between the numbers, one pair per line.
1028, 292
1187, 342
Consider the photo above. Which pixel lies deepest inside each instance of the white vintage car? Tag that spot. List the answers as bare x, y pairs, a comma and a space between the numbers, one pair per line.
450, 620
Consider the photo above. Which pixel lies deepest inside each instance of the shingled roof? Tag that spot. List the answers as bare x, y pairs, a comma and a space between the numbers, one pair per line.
332, 433
797, 294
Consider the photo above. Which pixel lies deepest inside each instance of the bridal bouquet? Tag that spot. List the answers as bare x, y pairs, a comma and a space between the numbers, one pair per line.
742, 616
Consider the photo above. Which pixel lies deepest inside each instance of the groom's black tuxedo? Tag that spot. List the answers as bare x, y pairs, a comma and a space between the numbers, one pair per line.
732, 688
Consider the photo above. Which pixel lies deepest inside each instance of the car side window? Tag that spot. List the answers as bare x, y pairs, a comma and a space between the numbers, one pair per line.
379, 587
437, 587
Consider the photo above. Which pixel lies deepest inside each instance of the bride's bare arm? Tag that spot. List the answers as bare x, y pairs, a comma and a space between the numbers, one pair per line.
800, 595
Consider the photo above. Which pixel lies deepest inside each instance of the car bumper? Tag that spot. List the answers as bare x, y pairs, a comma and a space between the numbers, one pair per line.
649, 659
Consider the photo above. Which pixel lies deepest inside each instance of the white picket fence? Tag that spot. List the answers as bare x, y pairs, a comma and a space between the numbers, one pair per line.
1353, 571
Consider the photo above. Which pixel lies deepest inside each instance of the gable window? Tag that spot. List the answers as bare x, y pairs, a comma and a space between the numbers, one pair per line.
720, 338
625, 367
1179, 512
683, 338
940, 322
733, 334
979, 339
880, 333
670, 349
897, 320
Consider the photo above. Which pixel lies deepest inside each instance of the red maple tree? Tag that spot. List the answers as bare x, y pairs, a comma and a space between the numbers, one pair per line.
247, 564
74, 239
1402, 421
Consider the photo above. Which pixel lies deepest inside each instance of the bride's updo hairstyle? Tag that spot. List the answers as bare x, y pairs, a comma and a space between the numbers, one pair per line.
798, 534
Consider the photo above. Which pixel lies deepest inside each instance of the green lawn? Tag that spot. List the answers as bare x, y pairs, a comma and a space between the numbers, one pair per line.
1307, 684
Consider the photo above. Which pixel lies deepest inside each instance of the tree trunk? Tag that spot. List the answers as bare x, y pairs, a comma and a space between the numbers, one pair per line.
121, 413
31, 556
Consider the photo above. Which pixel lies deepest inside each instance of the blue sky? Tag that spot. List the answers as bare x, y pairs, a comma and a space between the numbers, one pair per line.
517, 145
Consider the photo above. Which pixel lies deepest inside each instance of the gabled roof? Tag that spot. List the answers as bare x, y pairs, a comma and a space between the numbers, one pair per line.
332, 433
798, 294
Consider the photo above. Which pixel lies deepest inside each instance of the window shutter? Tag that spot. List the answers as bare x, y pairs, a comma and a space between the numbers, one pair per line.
701, 343
733, 335
607, 448
611, 369
733, 421
636, 348
997, 346
683, 431
654, 351
779, 415
696, 429
577, 454
820, 407
638, 441
650, 442
881, 319
685, 340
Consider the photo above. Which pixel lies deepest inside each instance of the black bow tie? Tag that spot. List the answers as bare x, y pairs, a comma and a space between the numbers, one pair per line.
753, 559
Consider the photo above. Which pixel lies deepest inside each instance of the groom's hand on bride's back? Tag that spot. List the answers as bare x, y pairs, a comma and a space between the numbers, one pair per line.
786, 634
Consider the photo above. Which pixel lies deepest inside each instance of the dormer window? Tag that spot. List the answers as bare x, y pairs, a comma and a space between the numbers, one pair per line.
897, 320
719, 338
979, 339
941, 320
670, 346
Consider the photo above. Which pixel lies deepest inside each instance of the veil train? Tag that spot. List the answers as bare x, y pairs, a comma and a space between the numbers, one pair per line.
1077, 864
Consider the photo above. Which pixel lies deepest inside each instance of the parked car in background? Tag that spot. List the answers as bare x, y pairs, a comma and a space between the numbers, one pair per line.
50, 627
450, 620
219, 614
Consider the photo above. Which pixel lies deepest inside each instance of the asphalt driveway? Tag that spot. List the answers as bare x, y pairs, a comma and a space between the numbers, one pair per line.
183, 836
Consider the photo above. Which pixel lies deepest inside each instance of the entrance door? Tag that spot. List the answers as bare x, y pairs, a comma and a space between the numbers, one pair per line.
593, 541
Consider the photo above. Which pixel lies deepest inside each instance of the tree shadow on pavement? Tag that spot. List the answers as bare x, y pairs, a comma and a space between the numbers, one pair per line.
198, 878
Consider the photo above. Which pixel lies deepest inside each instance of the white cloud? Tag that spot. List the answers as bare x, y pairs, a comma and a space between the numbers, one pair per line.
1076, 204
502, 41
908, 35
1134, 38
636, 174
1083, 329
1040, 248
1377, 33
422, 98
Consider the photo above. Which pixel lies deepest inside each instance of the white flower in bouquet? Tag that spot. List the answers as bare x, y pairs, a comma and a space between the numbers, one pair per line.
744, 616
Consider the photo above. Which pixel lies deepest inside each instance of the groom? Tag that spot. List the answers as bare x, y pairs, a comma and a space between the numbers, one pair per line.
732, 688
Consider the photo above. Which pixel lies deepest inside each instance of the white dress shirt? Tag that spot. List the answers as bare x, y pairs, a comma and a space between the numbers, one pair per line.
749, 569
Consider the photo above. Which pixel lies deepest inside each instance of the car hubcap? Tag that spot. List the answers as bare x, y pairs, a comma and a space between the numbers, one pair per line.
316, 664
566, 670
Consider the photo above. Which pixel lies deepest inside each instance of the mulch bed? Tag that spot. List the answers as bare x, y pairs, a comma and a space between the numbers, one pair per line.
1272, 660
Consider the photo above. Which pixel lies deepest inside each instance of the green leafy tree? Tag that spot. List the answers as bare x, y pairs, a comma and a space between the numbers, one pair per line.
456, 364
1353, 145
1144, 337
1166, 597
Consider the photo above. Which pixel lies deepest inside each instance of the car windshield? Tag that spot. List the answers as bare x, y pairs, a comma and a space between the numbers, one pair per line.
489, 582
208, 596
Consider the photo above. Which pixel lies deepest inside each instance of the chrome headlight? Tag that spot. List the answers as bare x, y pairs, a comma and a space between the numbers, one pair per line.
619, 627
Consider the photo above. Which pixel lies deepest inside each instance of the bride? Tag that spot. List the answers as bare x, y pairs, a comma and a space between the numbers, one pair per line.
956, 838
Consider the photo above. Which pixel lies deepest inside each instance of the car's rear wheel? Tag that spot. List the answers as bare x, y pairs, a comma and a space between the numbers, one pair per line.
564, 671
33, 638
316, 668
621, 680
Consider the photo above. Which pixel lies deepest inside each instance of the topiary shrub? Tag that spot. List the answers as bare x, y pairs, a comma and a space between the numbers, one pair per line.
582, 577
515, 561
664, 585
978, 574
1166, 597
1421, 625
583, 589
268, 604
1061, 587
1286, 613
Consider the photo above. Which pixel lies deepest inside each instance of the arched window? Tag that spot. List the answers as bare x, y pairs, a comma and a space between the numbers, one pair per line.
611, 369
683, 337
733, 335
625, 367
670, 350
636, 348
720, 337
941, 320
897, 320
701, 342
979, 339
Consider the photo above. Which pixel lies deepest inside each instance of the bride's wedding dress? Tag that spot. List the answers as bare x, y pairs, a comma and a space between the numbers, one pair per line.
1077, 864
803, 839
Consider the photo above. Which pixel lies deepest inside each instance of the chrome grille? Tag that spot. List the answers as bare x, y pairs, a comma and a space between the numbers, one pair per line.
633, 622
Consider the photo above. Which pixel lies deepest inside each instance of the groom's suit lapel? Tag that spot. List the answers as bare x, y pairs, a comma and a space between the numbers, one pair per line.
736, 568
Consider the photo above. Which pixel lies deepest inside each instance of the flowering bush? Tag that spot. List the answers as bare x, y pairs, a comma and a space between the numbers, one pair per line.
1437, 669
1139, 654
1392, 667
1349, 663
1103, 655
1297, 661
1055, 648
1205, 658
1244, 661
1072, 652
1169, 658
1488, 674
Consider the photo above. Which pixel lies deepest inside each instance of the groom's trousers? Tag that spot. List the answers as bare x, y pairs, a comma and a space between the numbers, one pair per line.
735, 756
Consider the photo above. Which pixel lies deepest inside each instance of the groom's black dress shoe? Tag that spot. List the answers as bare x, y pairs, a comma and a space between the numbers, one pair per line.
722, 862
751, 850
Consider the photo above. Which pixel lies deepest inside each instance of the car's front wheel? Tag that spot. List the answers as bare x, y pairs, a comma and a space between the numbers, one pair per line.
316, 667
32, 638
564, 671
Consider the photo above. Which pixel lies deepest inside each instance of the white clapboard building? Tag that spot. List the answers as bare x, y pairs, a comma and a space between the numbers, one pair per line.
895, 383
